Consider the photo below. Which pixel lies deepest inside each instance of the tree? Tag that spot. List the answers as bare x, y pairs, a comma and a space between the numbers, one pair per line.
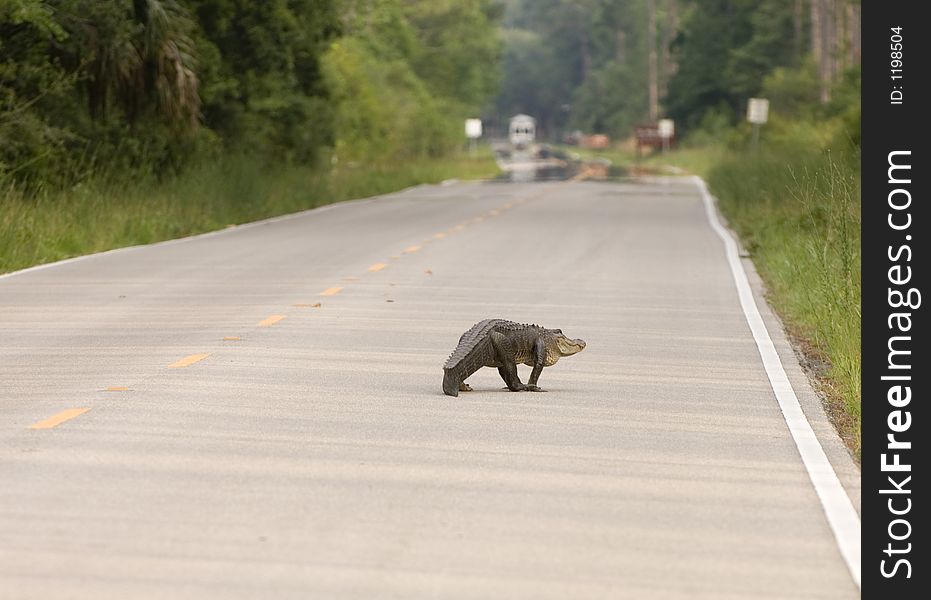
577, 63
724, 50
263, 86
138, 55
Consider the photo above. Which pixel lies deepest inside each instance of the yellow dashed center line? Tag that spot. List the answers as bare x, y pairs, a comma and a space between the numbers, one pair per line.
71, 413
54, 421
268, 322
187, 361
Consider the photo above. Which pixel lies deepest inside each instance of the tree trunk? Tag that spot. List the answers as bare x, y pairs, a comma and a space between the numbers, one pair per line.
815, 22
667, 66
853, 33
620, 49
651, 60
838, 39
820, 14
584, 53
798, 8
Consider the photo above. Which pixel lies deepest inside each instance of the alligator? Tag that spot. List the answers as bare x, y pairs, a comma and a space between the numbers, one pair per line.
505, 344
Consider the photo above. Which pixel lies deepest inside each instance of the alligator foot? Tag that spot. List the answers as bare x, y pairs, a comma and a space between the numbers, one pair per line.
465, 387
525, 388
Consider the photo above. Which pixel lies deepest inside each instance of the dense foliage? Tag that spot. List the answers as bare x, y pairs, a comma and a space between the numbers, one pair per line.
603, 66
93, 89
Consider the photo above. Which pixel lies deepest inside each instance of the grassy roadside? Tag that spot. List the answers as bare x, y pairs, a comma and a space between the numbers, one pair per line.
797, 211
798, 214
98, 216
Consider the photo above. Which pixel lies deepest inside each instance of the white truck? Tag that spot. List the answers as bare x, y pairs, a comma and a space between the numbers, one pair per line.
522, 131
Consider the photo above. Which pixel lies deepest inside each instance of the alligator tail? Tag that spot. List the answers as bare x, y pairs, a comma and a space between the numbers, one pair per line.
450, 382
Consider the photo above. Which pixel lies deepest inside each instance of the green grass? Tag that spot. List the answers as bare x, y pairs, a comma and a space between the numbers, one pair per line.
98, 215
798, 214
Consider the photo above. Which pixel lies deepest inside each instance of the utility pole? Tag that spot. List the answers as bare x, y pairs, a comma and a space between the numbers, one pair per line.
651, 60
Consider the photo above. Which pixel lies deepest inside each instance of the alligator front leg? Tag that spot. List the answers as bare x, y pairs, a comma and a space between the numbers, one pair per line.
539, 360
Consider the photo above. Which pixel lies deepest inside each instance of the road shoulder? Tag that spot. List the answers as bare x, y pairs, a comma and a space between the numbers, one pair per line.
811, 402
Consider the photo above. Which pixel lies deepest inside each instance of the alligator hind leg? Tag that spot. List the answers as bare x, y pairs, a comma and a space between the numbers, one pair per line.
504, 355
512, 379
504, 375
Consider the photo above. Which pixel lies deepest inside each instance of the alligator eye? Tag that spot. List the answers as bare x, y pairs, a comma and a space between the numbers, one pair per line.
559, 331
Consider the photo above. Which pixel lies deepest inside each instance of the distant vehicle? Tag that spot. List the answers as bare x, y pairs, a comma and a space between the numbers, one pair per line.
522, 131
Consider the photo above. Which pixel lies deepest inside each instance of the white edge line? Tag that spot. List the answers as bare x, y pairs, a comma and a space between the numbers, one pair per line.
841, 515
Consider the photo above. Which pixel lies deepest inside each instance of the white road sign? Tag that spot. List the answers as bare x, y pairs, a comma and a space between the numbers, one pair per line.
473, 128
667, 128
758, 110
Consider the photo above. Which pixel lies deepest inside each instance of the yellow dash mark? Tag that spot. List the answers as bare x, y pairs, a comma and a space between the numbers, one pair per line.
410, 249
117, 388
508, 206
494, 213
314, 305
351, 278
331, 291
187, 361
65, 415
459, 227
377, 267
232, 338
439, 236
268, 322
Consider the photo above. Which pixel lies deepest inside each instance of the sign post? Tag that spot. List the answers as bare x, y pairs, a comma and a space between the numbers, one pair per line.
473, 131
667, 129
757, 113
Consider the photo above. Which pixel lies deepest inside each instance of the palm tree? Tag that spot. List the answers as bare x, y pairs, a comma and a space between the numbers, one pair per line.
139, 57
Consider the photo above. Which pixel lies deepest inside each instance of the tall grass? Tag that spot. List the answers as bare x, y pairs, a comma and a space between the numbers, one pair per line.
105, 213
798, 214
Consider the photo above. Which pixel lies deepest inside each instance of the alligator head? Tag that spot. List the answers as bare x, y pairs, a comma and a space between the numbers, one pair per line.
558, 345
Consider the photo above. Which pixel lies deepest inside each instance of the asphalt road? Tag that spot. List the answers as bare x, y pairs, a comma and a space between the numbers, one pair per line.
183, 421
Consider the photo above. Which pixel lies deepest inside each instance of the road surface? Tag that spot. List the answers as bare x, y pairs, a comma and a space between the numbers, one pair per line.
257, 413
